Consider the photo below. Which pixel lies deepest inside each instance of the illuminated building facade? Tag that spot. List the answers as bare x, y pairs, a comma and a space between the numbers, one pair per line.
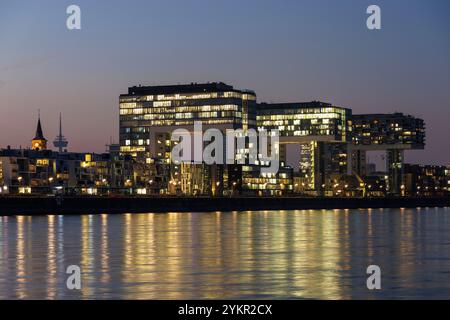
333, 145
323, 132
255, 182
42, 171
149, 115
306, 121
46, 171
392, 133
425, 180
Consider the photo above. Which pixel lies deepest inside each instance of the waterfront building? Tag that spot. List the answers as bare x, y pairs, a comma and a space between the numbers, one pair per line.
391, 133
375, 185
323, 132
425, 180
333, 145
149, 115
41, 171
44, 171
254, 182
447, 174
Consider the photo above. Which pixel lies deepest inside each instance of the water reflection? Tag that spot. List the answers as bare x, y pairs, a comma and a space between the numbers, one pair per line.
20, 260
319, 254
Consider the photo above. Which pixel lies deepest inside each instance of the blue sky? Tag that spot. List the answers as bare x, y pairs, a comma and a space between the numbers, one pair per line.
284, 50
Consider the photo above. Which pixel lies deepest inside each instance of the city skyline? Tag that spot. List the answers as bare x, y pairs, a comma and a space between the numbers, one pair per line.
198, 152
332, 143
333, 59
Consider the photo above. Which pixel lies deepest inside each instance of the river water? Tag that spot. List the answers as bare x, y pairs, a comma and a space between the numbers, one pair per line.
305, 254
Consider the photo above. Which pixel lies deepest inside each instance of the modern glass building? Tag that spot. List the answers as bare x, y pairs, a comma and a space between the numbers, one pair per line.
306, 121
322, 130
333, 142
149, 114
392, 133
399, 130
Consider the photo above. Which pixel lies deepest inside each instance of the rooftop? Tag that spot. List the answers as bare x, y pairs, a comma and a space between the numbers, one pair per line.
311, 104
296, 105
181, 88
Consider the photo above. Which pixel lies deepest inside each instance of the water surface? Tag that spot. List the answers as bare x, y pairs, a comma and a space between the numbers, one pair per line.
307, 254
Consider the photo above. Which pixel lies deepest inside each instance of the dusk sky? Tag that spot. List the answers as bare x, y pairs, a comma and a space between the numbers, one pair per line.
287, 51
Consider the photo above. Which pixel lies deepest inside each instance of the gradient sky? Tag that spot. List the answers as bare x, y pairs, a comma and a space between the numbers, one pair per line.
286, 51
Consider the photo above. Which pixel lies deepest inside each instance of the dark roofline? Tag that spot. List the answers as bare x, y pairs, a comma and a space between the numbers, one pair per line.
386, 115
296, 105
379, 114
182, 88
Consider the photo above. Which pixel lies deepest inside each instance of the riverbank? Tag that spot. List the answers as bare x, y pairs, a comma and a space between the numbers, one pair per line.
96, 205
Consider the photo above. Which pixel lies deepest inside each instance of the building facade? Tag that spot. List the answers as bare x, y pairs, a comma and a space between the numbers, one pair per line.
391, 133
332, 142
322, 131
149, 115
425, 180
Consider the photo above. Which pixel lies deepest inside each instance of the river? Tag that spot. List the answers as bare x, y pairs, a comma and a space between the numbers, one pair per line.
305, 254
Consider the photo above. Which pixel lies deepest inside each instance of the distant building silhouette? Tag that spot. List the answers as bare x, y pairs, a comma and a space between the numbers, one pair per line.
60, 141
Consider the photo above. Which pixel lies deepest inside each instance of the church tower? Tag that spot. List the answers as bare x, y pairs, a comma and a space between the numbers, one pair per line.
39, 142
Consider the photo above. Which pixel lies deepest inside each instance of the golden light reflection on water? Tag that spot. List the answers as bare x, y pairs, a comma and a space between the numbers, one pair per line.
104, 253
87, 255
269, 254
20, 259
51, 258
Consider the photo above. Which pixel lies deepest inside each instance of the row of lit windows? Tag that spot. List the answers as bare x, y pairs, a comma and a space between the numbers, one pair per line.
315, 122
303, 111
131, 149
304, 126
183, 123
139, 142
169, 109
187, 115
291, 131
212, 95
299, 116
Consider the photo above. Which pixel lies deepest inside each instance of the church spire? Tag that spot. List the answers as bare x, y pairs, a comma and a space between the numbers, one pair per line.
39, 134
39, 142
